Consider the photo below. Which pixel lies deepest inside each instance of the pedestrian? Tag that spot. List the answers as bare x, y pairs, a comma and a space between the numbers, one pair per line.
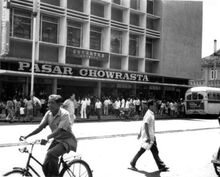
10, 110
83, 108
29, 109
98, 108
58, 119
117, 107
69, 105
147, 137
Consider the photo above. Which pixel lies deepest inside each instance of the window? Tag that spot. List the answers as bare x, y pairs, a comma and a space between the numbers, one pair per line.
95, 38
213, 74
149, 48
189, 97
74, 30
135, 4
117, 15
133, 45
49, 29
48, 53
134, 19
150, 23
75, 5
116, 41
97, 9
150, 6
21, 23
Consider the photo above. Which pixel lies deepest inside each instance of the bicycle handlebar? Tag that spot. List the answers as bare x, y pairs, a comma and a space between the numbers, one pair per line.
38, 141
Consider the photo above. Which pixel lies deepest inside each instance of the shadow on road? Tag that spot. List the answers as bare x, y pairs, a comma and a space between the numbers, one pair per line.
150, 174
147, 174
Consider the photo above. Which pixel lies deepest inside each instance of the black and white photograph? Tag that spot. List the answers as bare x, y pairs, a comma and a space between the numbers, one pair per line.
110, 88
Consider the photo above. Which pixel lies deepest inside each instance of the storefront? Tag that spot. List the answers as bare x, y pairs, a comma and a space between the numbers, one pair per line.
66, 79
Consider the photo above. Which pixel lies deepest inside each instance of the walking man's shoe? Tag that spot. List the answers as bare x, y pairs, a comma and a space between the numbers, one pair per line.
164, 169
133, 166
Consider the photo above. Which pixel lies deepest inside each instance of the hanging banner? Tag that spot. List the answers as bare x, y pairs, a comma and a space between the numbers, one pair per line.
4, 28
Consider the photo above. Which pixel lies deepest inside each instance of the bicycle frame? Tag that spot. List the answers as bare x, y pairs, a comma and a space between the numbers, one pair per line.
30, 156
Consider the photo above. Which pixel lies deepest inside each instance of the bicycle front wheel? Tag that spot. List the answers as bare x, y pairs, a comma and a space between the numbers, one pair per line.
77, 168
17, 173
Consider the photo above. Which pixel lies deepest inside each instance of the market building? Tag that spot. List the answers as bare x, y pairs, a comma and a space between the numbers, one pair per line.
145, 48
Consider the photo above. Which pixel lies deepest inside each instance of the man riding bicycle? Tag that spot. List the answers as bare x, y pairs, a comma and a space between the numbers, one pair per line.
58, 119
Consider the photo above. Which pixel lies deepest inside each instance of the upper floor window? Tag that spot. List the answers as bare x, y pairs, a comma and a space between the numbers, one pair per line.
150, 24
133, 45
75, 5
116, 41
135, 4
134, 19
95, 37
150, 6
74, 31
213, 74
20, 23
97, 9
117, 15
149, 48
49, 29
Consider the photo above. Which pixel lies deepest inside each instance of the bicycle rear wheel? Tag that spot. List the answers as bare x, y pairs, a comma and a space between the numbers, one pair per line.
77, 168
17, 173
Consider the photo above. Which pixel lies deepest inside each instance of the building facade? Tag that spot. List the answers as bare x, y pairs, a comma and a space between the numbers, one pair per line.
210, 67
144, 48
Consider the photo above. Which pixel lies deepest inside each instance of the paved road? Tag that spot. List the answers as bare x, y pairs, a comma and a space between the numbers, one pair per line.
109, 146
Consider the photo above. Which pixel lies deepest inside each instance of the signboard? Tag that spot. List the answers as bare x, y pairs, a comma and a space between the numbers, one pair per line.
53, 69
5, 28
82, 53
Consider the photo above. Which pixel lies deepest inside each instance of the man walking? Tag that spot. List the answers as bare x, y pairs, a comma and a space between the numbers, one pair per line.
147, 135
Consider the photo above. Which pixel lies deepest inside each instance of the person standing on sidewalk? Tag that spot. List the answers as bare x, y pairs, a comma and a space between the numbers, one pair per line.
69, 105
147, 136
98, 108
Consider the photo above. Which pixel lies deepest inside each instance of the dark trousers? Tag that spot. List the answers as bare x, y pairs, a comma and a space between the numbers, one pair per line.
155, 153
50, 165
98, 112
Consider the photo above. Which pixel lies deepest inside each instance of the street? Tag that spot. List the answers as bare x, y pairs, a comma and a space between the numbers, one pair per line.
186, 146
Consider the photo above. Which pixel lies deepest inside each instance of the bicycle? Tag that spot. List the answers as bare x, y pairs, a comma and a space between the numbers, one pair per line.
74, 168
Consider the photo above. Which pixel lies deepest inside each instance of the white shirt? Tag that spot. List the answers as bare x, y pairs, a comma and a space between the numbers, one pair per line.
69, 106
117, 104
149, 118
98, 105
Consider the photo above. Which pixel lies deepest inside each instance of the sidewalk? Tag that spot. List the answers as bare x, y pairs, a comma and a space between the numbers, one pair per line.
92, 118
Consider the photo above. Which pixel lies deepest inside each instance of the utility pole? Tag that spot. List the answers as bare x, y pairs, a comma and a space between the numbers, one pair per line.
34, 15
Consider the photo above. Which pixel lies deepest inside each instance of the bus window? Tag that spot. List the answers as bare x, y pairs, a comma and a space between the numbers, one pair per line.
189, 97
194, 96
200, 97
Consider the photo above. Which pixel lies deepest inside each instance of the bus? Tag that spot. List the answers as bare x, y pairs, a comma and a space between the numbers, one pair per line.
202, 101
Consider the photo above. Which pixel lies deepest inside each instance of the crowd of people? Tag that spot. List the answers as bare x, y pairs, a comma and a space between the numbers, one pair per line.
25, 109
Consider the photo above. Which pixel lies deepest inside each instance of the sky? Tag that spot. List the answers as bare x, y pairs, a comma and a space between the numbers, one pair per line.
211, 26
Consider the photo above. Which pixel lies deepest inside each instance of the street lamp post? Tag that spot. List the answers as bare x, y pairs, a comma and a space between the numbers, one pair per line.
34, 14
